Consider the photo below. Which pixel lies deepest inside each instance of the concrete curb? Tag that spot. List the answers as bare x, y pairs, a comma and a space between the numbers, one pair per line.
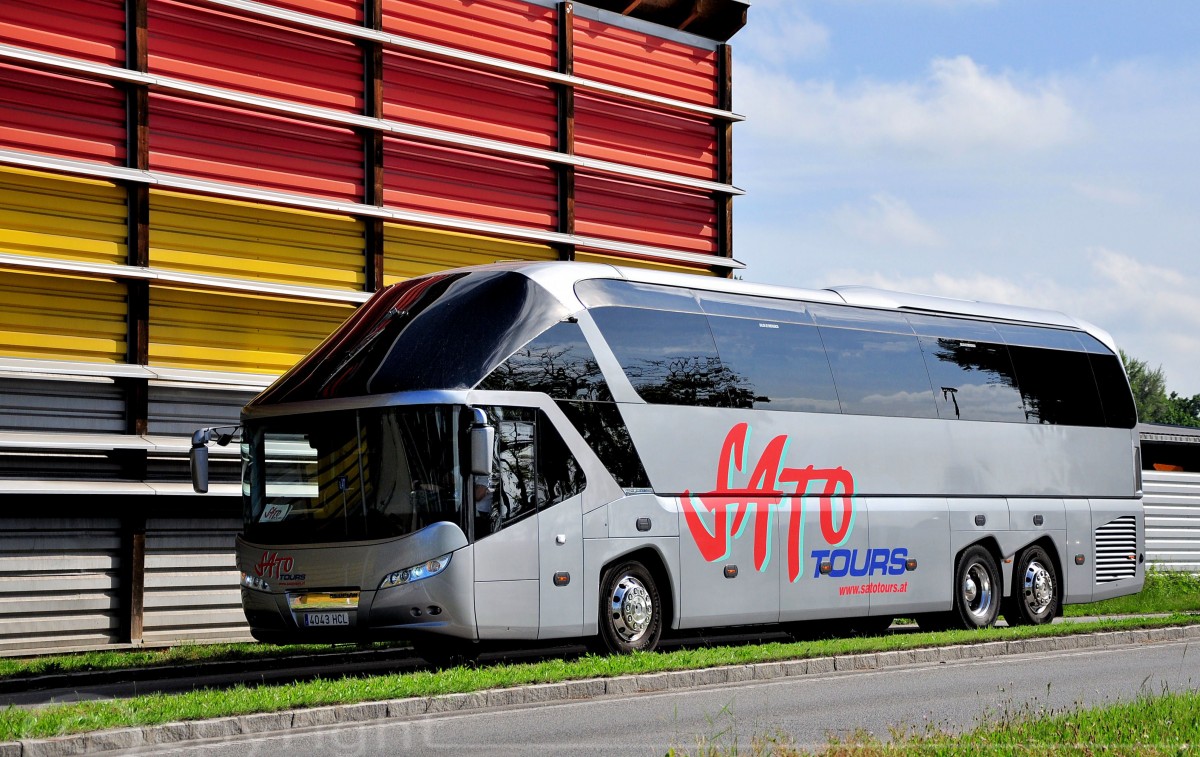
243, 725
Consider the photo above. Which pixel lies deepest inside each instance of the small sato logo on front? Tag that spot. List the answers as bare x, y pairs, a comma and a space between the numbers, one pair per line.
273, 565
275, 513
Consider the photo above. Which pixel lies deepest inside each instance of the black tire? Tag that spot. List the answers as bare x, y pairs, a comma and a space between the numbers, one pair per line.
630, 610
977, 589
1036, 590
447, 652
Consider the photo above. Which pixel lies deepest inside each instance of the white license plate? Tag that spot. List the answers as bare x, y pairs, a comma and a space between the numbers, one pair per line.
326, 619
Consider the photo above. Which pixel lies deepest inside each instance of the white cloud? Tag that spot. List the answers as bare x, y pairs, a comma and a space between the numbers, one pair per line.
887, 220
792, 35
957, 108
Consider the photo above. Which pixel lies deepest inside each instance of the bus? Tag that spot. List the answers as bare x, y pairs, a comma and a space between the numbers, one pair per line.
541, 451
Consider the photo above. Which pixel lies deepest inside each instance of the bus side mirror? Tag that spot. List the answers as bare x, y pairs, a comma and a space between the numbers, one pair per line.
483, 441
198, 457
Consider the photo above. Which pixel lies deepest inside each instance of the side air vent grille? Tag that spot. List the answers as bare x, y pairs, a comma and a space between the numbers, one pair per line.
1116, 550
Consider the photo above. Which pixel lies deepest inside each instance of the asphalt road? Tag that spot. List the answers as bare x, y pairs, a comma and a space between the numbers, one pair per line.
952, 696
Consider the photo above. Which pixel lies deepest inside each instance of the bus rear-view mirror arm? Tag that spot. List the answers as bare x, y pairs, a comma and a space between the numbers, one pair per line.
198, 454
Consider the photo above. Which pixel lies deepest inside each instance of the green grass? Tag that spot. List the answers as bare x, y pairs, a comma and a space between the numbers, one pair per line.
1167, 724
162, 708
173, 656
1165, 591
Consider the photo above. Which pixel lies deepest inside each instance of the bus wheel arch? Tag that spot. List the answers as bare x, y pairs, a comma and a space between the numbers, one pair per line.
635, 603
1037, 589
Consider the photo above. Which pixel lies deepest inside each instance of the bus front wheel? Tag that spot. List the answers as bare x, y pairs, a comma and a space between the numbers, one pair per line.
1034, 598
977, 589
630, 609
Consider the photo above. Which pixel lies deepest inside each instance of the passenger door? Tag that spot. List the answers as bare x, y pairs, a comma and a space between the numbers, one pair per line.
507, 603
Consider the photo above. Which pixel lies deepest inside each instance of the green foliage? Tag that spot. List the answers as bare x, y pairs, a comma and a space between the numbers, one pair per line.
1150, 396
1164, 591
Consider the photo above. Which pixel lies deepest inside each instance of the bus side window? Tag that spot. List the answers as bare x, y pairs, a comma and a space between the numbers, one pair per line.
558, 474
510, 494
559, 362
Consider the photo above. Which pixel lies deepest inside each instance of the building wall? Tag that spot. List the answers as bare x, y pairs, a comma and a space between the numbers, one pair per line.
193, 193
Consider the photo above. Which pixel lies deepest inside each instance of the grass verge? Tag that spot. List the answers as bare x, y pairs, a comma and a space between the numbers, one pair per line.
1164, 591
1166, 724
241, 700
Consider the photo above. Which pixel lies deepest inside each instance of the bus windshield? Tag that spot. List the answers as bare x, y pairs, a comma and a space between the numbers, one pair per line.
351, 475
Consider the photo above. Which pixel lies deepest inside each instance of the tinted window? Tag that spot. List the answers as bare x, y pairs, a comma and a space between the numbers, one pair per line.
670, 357
446, 331
1057, 386
743, 306
954, 328
595, 293
1034, 336
601, 426
559, 363
1115, 396
559, 476
860, 318
972, 380
879, 374
783, 365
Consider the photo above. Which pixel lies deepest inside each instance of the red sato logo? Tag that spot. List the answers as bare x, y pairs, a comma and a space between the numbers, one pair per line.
729, 506
272, 565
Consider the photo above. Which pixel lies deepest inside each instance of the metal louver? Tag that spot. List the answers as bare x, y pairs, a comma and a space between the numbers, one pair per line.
1116, 550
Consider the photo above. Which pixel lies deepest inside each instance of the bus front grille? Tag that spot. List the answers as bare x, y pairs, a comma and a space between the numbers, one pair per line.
1116, 550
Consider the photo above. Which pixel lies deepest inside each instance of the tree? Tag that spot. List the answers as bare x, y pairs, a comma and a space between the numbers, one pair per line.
1154, 405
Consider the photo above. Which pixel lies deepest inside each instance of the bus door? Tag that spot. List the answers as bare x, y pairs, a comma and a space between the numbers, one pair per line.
822, 542
506, 531
904, 529
529, 532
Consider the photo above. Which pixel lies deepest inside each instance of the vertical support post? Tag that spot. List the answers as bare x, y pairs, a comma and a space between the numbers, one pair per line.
136, 390
724, 129
566, 126
373, 147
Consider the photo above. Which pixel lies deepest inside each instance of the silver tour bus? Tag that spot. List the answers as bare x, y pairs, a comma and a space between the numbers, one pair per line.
566, 450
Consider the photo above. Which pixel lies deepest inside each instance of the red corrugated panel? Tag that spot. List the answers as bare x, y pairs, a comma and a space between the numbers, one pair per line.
625, 132
58, 115
458, 99
215, 47
458, 183
349, 11
224, 144
643, 62
507, 29
93, 30
645, 214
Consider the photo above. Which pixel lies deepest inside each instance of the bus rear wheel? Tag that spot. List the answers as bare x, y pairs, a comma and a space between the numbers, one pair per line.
977, 589
630, 609
1035, 592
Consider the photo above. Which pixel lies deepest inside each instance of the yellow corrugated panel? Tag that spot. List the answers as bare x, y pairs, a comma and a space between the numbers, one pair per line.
62, 318
245, 240
61, 217
226, 332
653, 265
409, 251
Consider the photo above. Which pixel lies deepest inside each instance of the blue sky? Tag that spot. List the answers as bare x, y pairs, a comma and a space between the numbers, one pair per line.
1043, 153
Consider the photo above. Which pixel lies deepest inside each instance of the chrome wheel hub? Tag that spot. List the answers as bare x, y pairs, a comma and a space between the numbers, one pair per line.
632, 610
977, 591
1038, 588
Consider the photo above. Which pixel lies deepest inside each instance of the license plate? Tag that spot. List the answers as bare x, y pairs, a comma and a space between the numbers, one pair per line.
326, 619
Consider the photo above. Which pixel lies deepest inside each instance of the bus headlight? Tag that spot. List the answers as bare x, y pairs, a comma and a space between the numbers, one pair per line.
254, 582
415, 573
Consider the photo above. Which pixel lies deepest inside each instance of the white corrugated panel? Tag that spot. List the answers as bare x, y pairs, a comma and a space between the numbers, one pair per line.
1172, 502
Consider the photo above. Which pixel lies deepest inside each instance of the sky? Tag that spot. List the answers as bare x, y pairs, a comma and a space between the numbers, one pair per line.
1043, 153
